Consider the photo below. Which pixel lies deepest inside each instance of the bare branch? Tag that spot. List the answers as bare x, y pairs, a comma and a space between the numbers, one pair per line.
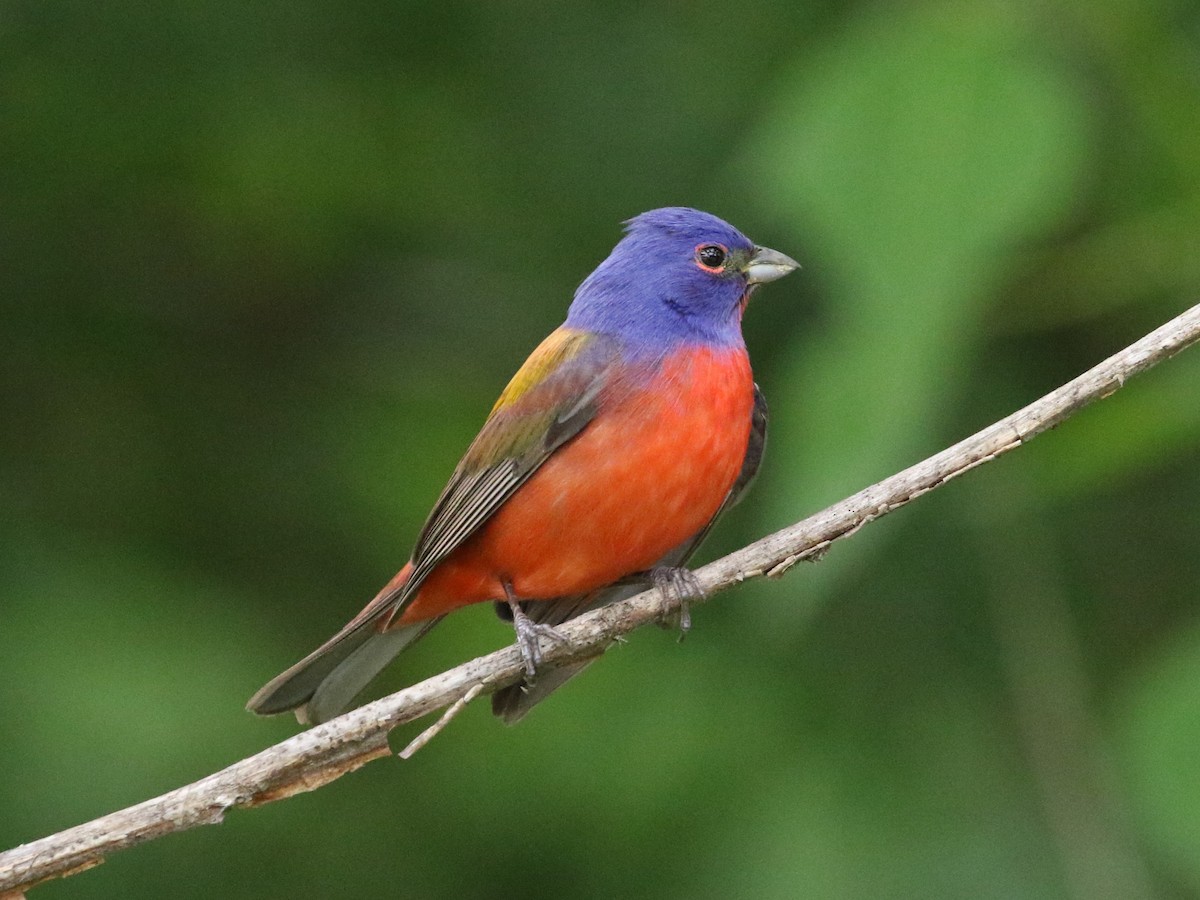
320, 755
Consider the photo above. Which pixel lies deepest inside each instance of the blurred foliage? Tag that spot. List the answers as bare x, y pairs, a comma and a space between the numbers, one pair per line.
264, 267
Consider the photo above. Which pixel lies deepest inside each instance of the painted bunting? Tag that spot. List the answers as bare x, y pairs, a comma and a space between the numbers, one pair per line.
601, 467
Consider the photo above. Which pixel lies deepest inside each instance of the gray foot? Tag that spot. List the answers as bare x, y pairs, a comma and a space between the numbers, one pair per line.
681, 584
528, 633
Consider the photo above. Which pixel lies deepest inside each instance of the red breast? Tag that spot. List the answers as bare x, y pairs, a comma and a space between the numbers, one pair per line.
646, 474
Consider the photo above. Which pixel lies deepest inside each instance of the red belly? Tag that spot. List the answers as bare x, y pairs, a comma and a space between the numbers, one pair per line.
646, 474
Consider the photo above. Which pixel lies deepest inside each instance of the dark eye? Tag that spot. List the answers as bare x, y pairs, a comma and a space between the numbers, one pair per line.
711, 256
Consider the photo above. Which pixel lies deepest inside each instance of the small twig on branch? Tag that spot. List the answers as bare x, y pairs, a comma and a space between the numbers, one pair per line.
433, 730
319, 755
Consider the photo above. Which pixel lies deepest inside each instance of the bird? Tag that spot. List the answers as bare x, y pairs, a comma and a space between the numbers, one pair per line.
603, 464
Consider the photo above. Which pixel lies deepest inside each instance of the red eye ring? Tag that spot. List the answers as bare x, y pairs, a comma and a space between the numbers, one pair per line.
712, 257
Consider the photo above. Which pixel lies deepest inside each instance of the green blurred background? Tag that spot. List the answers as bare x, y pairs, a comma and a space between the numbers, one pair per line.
265, 267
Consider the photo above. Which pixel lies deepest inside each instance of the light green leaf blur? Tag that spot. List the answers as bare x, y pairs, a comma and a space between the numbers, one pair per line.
1159, 730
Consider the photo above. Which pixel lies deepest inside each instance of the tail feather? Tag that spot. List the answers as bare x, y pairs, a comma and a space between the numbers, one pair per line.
338, 689
295, 686
324, 683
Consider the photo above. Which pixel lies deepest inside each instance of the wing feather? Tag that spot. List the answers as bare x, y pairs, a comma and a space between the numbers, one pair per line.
550, 400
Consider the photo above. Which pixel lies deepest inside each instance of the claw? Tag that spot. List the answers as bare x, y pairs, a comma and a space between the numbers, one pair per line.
528, 633
678, 583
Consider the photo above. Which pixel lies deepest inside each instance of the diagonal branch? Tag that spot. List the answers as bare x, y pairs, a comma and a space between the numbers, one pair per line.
319, 755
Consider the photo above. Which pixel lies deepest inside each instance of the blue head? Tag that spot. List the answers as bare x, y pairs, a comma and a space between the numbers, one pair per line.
678, 276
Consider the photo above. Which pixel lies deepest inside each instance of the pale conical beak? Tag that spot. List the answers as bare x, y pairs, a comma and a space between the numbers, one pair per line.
768, 265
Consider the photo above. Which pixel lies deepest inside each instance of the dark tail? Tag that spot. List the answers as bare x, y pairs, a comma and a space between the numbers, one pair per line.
326, 681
